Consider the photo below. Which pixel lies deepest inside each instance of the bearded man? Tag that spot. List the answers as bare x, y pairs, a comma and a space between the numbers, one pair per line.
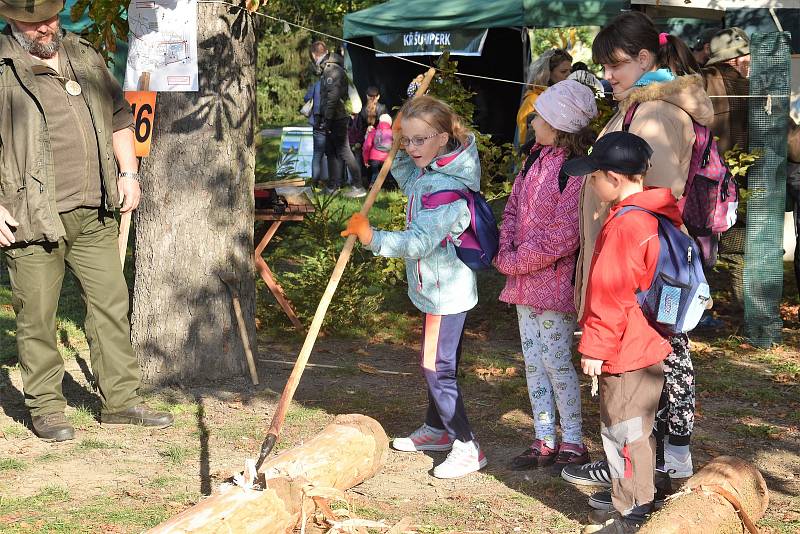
65, 131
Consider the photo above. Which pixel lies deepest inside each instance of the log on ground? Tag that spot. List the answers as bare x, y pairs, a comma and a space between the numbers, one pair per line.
348, 451
703, 510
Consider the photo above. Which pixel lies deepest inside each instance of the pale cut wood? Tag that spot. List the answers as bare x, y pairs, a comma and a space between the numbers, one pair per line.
348, 451
705, 511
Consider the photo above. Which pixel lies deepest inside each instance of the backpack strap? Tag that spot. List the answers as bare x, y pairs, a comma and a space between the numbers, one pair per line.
563, 177
626, 122
448, 196
529, 161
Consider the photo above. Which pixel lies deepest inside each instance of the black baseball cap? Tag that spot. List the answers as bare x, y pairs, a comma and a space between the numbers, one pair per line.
621, 152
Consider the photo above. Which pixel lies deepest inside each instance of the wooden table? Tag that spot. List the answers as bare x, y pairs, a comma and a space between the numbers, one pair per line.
292, 213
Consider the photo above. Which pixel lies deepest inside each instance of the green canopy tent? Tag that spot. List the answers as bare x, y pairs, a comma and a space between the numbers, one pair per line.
502, 52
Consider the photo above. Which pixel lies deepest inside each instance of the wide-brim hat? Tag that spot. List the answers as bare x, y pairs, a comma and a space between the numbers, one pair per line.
30, 10
729, 43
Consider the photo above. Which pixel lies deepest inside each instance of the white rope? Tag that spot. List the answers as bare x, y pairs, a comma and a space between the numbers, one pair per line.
364, 46
402, 58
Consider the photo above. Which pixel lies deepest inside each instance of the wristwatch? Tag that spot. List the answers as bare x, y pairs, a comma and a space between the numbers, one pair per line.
128, 174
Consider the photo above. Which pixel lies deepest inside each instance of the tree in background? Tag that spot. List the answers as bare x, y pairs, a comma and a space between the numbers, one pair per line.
576, 41
195, 222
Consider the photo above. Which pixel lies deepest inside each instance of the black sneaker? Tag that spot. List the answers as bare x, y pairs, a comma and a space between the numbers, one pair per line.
593, 474
601, 500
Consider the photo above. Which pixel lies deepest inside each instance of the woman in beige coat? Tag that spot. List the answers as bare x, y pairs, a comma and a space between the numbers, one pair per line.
657, 71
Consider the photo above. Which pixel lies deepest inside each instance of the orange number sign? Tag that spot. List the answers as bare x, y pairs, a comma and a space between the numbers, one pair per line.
143, 107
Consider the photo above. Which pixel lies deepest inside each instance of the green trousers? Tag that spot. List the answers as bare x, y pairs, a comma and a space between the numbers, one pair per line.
36, 271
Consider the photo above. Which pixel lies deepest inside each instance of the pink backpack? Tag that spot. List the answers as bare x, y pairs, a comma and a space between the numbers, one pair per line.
710, 199
383, 139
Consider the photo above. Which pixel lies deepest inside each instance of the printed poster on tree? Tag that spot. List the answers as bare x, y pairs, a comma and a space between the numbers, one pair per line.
162, 40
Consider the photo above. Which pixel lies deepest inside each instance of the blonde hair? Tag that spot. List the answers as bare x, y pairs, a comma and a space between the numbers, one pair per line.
439, 116
540, 70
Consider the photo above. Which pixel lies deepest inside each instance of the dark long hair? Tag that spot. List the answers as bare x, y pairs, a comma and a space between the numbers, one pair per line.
633, 31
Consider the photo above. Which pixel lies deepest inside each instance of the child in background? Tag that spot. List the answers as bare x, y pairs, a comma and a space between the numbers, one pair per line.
377, 145
538, 248
618, 344
439, 154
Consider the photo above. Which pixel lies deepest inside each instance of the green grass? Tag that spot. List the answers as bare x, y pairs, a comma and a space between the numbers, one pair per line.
250, 428
164, 482
89, 444
298, 414
175, 454
175, 408
49, 457
14, 431
52, 511
764, 432
12, 464
82, 417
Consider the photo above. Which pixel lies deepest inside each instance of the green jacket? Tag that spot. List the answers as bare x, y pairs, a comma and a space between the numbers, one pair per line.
27, 180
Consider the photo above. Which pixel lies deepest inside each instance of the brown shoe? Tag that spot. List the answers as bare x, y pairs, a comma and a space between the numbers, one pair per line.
53, 427
138, 415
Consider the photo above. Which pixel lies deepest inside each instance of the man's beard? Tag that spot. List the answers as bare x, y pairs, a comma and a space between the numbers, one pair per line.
35, 48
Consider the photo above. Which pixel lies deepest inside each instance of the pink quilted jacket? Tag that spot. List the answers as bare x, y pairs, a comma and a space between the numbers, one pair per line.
539, 237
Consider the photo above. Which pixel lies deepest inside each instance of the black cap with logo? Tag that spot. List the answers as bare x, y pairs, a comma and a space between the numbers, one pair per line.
621, 152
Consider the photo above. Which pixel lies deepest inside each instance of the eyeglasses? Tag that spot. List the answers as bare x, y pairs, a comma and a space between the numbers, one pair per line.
417, 140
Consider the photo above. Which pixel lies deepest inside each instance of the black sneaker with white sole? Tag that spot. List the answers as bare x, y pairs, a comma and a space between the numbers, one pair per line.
593, 474
601, 500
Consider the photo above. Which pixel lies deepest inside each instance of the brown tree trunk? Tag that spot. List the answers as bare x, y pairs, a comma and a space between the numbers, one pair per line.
350, 450
195, 221
707, 511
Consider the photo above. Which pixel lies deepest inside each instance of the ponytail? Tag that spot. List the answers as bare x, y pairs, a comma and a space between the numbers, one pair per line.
674, 54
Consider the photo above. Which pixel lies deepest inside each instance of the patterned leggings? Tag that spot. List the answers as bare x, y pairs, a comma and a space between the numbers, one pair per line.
552, 381
675, 417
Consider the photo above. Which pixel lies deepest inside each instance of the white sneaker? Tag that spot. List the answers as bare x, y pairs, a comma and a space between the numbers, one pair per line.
425, 438
464, 459
678, 466
356, 192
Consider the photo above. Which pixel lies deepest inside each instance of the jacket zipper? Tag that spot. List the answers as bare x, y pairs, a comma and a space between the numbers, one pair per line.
409, 218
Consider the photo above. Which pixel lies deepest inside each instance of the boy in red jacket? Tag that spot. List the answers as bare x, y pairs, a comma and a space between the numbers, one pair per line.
618, 344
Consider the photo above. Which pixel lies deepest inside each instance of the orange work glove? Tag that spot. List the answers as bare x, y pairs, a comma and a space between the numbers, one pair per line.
358, 225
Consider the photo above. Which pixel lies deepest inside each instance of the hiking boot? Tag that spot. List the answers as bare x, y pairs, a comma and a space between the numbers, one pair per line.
425, 438
537, 455
53, 427
677, 466
593, 474
138, 415
572, 454
601, 501
465, 458
615, 524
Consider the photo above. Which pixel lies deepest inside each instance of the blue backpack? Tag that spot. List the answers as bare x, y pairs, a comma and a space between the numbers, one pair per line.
678, 295
481, 239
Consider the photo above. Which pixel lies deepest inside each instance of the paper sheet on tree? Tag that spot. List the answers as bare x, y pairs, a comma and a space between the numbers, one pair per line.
162, 40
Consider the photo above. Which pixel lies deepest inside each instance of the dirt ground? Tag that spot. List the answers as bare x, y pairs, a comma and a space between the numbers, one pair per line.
127, 479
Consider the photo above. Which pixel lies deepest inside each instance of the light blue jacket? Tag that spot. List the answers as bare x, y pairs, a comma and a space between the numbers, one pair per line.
438, 282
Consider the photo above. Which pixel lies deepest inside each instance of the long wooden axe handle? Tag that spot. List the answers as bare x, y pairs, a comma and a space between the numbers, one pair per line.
322, 307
